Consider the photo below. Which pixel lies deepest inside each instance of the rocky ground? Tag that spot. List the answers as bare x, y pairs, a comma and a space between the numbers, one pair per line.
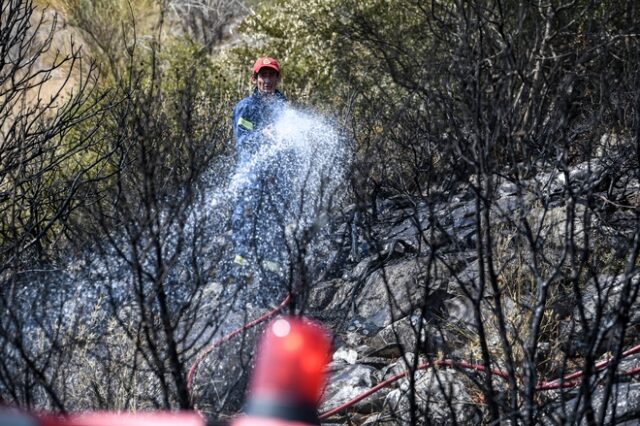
419, 286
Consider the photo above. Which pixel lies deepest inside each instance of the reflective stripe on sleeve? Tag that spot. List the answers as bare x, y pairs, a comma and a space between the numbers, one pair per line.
245, 123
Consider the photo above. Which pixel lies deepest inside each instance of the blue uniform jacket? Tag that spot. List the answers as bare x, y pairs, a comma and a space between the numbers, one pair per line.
250, 116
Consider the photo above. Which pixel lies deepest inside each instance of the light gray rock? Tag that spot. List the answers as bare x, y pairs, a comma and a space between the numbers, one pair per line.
550, 225
346, 382
621, 408
345, 354
440, 398
403, 333
331, 295
611, 143
391, 293
605, 296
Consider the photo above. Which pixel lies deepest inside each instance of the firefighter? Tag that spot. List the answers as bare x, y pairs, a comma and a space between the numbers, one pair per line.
254, 115
257, 217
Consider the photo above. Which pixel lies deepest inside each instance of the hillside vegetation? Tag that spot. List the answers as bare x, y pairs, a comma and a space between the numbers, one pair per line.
503, 135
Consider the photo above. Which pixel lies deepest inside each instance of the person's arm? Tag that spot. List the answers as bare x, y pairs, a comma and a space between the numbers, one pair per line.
245, 131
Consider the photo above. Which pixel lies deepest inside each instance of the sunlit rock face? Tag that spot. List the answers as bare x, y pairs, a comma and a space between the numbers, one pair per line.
424, 290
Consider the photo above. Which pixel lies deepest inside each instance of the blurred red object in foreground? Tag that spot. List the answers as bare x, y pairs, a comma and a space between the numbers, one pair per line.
12, 417
124, 419
289, 375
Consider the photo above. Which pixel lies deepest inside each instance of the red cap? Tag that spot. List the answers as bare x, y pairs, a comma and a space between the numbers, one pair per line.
266, 63
289, 375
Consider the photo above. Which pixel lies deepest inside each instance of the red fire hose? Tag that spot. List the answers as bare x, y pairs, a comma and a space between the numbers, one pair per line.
441, 363
206, 351
567, 381
573, 379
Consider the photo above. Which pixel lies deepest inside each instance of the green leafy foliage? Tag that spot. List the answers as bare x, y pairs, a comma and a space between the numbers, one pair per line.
422, 80
168, 120
301, 37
